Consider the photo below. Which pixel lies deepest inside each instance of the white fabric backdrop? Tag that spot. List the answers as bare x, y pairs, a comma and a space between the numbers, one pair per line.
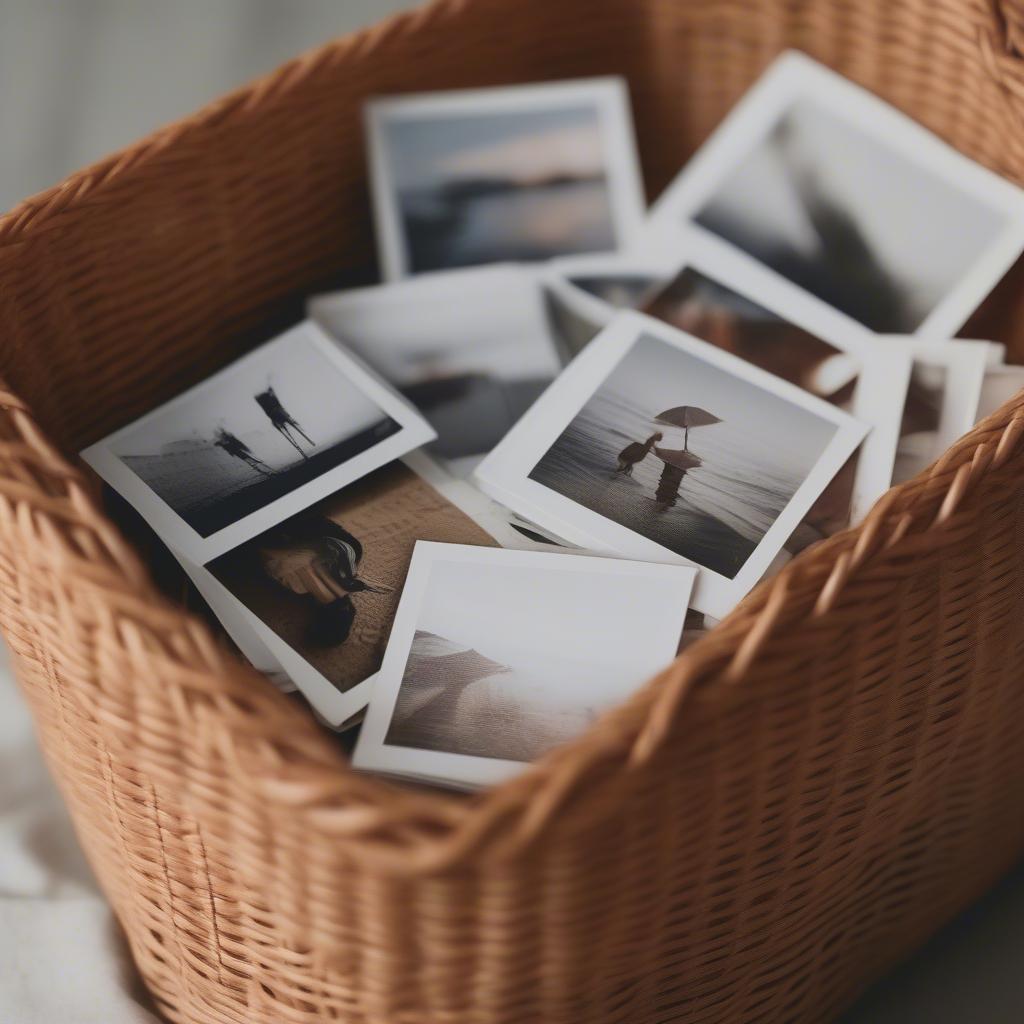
62, 958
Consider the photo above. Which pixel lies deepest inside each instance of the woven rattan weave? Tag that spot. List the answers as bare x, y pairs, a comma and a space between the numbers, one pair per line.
797, 803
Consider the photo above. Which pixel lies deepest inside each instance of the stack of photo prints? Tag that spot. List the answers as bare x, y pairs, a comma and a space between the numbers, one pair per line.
472, 508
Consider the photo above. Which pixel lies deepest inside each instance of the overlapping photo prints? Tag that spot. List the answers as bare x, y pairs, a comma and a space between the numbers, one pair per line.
498, 656
471, 349
741, 309
696, 396
288, 423
518, 173
655, 445
839, 193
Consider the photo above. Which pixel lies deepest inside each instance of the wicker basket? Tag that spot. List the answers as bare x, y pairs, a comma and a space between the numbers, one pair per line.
796, 804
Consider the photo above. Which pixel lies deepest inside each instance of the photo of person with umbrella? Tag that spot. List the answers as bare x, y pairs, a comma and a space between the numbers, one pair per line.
627, 454
687, 416
675, 463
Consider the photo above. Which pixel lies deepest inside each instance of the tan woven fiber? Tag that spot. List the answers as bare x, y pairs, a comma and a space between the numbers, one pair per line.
796, 804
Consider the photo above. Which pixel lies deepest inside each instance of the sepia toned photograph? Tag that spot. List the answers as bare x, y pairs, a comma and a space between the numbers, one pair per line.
471, 349
656, 443
296, 414
845, 197
323, 584
518, 173
498, 656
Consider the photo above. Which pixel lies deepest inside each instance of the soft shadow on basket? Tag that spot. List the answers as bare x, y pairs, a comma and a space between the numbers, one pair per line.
796, 804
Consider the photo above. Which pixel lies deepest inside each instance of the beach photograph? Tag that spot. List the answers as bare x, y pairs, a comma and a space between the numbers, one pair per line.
687, 454
509, 174
505, 655
269, 423
708, 309
471, 349
327, 580
859, 224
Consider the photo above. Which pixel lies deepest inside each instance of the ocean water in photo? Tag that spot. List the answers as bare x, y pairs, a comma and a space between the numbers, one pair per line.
724, 506
461, 228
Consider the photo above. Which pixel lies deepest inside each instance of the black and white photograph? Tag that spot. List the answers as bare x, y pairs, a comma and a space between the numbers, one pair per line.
515, 173
841, 194
769, 323
496, 657
618, 281
471, 349
655, 444
294, 419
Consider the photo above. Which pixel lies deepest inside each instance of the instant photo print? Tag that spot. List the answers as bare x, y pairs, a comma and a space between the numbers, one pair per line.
1000, 384
496, 657
942, 400
841, 194
655, 445
522, 173
741, 308
283, 426
319, 589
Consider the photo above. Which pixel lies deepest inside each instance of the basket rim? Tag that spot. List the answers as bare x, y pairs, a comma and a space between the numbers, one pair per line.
44, 497
48, 504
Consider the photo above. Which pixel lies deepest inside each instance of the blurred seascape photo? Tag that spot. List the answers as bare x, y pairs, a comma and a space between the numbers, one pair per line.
853, 221
474, 188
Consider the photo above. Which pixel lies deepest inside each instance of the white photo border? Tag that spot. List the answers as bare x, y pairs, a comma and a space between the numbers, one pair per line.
792, 76
610, 96
504, 474
413, 432
372, 753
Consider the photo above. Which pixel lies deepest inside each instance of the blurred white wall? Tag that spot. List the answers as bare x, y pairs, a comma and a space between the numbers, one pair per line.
79, 78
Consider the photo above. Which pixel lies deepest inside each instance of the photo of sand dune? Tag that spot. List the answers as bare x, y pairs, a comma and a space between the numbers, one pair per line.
511, 654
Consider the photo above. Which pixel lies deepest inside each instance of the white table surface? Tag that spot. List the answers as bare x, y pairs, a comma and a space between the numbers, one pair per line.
79, 78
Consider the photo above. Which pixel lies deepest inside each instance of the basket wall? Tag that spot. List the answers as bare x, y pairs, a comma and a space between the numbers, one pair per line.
797, 803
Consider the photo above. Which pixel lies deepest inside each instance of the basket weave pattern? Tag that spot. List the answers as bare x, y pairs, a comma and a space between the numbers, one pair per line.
797, 803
